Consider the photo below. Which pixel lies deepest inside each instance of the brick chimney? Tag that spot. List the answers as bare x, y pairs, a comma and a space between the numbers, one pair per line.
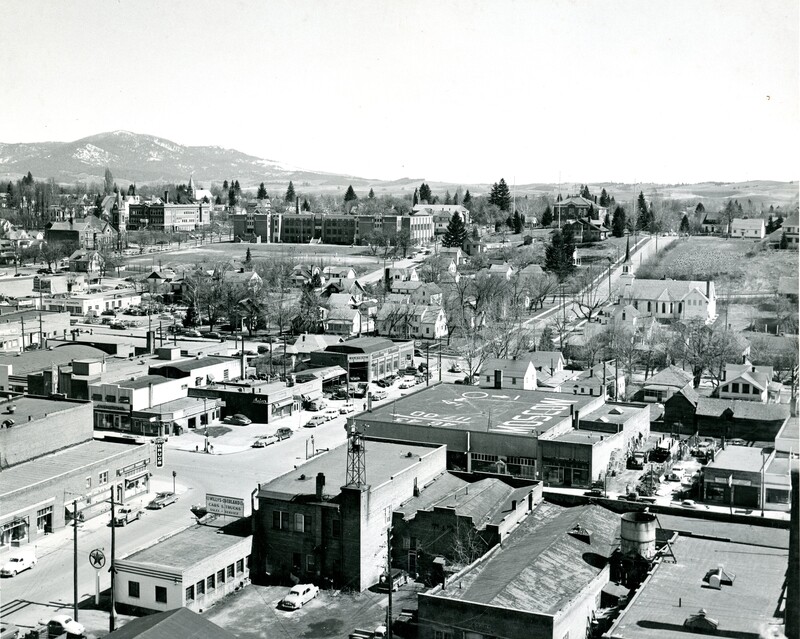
320, 485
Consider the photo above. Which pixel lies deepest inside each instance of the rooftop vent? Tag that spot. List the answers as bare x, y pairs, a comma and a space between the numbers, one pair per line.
718, 577
580, 533
615, 411
701, 622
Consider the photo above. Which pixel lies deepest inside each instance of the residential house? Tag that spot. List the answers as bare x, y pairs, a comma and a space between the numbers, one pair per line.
585, 230
714, 223
547, 362
531, 270
508, 373
663, 385
408, 320
249, 280
454, 253
749, 228
472, 246
442, 214
605, 379
350, 286
88, 233
396, 276
791, 226
577, 208
672, 299
749, 382
87, 261
332, 272
504, 271
347, 320
426, 293
305, 274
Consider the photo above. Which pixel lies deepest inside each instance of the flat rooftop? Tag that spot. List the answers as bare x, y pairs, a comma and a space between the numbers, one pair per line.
614, 413
35, 408
184, 549
744, 609
744, 458
63, 462
516, 412
540, 566
580, 437
383, 461
725, 530
33, 361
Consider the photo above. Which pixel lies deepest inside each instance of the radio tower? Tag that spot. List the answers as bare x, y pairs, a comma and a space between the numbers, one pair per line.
356, 460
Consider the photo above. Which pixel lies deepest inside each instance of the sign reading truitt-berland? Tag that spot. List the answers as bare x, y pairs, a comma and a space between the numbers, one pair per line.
222, 505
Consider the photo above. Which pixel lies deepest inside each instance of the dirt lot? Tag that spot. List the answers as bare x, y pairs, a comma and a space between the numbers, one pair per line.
737, 266
253, 613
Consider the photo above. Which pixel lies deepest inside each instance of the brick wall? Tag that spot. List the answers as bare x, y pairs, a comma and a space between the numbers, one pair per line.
61, 428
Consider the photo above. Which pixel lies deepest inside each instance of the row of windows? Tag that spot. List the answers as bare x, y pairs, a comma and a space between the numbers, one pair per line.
102, 478
134, 592
746, 388
300, 522
216, 579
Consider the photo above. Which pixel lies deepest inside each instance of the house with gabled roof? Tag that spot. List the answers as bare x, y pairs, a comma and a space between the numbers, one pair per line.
578, 207
89, 232
663, 385
791, 226
749, 382
749, 228
714, 223
518, 374
672, 299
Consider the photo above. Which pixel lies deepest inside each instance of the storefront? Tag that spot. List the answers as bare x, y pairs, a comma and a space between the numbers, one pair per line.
111, 417
136, 479
14, 532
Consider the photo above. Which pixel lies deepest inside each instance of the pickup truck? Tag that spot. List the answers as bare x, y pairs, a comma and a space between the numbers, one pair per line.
126, 515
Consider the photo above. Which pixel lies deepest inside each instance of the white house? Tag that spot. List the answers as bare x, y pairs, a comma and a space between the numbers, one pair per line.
442, 213
749, 382
751, 228
421, 321
517, 374
672, 299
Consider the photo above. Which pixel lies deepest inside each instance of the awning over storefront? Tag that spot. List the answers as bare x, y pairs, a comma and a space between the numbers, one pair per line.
281, 403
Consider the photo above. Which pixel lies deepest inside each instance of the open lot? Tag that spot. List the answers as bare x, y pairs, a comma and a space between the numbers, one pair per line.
737, 266
253, 613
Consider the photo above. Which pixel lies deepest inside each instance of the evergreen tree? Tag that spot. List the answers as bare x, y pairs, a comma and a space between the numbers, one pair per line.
558, 254
604, 198
456, 232
425, 195
447, 198
784, 242
236, 187
225, 185
415, 199
500, 195
262, 192
685, 224
290, 194
643, 213
455, 198
371, 194
248, 258
607, 221
586, 193
10, 190
218, 201
475, 234
132, 189
108, 182
559, 198
467, 199
350, 194
546, 343
770, 225
547, 216
779, 222
231, 196
618, 222
306, 206
517, 222
191, 320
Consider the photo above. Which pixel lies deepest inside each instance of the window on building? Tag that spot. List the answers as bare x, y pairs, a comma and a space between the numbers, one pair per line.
239, 566
221, 576
124, 400
97, 397
297, 560
103, 478
281, 520
133, 589
755, 390
190, 593
302, 523
230, 571
88, 482
735, 387
112, 399
200, 587
442, 634
210, 582
336, 528
161, 594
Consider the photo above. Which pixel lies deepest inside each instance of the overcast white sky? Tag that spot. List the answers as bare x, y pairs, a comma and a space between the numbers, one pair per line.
665, 91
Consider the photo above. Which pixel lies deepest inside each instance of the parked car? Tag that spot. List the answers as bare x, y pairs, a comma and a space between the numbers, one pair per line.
109, 311
213, 335
315, 421
688, 503
8, 630
594, 492
191, 332
347, 409
331, 414
298, 596
284, 432
264, 441
125, 515
378, 395
407, 383
162, 500
60, 624
237, 420
18, 561
399, 578
117, 326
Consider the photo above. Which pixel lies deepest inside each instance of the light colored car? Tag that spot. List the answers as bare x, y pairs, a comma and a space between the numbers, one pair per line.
331, 414
162, 500
347, 409
298, 596
264, 441
17, 562
126, 515
59, 624
315, 421
688, 503
237, 420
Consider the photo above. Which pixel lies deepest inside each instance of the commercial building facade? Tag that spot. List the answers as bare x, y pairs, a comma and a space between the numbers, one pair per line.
367, 358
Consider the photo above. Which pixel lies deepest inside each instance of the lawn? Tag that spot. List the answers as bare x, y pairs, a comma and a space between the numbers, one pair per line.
736, 266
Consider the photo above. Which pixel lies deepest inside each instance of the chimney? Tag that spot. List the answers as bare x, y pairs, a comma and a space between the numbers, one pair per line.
320, 485
416, 488
151, 340
166, 197
149, 395
576, 420
513, 504
498, 379
708, 289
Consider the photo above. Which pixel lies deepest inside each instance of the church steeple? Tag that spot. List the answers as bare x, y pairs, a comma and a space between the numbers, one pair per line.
627, 264
191, 186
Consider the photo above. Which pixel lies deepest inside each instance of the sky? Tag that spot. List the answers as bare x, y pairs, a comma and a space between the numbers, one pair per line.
461, 91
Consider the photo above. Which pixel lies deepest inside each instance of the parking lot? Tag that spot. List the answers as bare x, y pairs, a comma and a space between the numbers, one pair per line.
253, 612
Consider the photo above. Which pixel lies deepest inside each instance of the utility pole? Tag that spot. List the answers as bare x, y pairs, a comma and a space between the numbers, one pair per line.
427, 364
112, 617
389, 581
440, 359
75, 559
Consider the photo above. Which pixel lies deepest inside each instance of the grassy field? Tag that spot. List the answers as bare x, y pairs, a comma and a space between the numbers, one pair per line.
210, 254
736, 266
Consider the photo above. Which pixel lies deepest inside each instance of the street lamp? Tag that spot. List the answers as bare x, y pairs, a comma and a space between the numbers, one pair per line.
174, 475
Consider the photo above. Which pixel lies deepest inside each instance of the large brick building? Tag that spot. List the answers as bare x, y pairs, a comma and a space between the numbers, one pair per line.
325, 521
162, 215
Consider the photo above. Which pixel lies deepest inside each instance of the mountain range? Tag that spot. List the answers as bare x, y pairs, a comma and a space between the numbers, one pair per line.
135, 157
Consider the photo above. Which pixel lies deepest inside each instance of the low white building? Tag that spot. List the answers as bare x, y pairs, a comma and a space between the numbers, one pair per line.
193, 568
517, 374
94, 303
752, 228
